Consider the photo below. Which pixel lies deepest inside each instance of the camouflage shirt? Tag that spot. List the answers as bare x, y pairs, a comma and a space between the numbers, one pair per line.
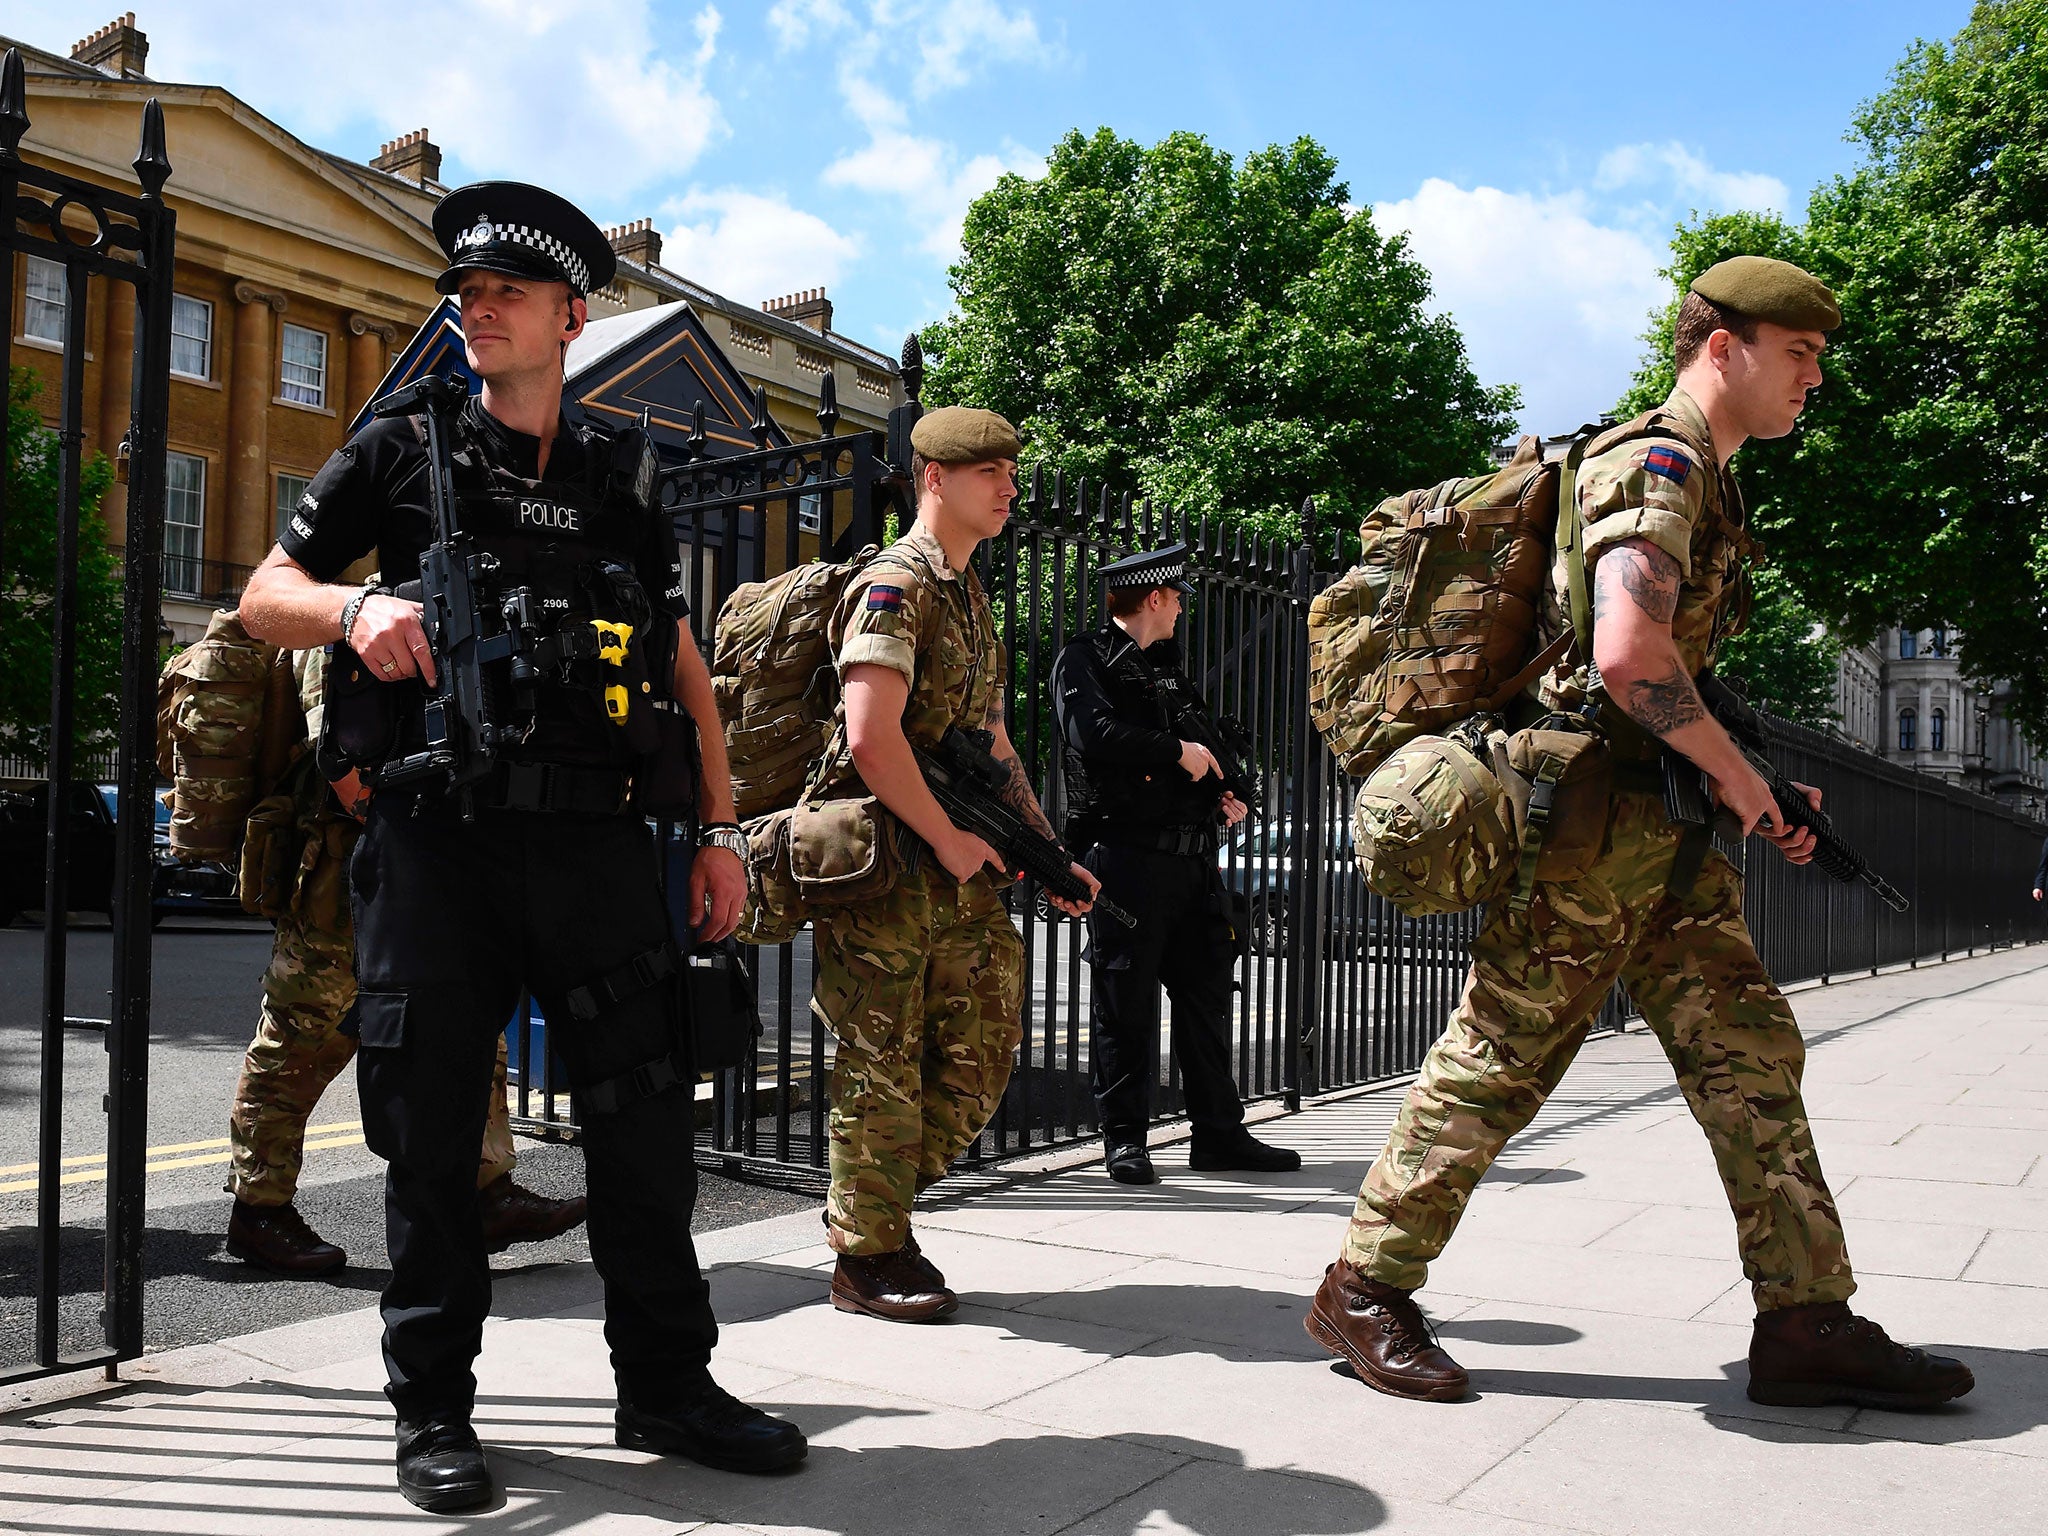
913, 613
1658, 478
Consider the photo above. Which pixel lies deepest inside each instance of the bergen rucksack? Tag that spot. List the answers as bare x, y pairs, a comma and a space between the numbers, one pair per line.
1435, 621
225, 707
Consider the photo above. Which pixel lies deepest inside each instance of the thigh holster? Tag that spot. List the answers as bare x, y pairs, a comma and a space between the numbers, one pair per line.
657, 967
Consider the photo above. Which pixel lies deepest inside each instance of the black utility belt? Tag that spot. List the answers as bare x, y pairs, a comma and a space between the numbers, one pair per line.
1177, 840
561, 788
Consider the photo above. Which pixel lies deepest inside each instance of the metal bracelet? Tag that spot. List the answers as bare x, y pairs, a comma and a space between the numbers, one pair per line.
351, 609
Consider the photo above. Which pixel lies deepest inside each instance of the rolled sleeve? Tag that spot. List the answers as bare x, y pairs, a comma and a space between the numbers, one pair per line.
1669, 531
891, 651
1651, 489
881, 622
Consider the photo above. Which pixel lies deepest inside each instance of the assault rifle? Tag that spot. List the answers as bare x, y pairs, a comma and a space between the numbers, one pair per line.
968, 783
463, 733
1231, 744
1689, 799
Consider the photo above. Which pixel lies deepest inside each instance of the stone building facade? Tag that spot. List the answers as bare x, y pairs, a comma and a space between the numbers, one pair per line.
299, 274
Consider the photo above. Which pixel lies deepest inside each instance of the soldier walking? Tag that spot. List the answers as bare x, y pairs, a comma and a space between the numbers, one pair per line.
1669, 548
921, 985
300, 1047
1147, 803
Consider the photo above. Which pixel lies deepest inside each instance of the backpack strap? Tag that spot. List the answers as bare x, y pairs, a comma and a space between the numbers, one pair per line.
1571, 539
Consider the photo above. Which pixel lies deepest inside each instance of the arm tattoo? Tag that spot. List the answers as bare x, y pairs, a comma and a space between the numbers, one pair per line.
1019, 794
1644, 572
1665, 704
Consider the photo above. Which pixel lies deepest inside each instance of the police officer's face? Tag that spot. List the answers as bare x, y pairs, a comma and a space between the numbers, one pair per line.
1772, 376
513, 325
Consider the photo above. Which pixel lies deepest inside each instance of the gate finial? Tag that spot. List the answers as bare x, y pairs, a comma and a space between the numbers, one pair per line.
828, 406
13, 103
913, 369
152, 161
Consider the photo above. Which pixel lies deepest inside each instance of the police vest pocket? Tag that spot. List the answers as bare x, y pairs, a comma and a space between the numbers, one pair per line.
843, 851
380, 1020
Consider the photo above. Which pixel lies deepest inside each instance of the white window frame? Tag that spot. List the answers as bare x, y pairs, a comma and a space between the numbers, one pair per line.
44, 307
1909, 731
279, 505
1937, 730
313, 391
205, 306
176, 497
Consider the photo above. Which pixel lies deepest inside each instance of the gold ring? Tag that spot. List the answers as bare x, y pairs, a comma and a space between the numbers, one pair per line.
390, 666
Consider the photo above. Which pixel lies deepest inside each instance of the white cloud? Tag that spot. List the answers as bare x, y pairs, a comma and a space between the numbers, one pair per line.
751, 247
794, 22
598, 99
1546, 296
1687, 178
933, 183
957, 37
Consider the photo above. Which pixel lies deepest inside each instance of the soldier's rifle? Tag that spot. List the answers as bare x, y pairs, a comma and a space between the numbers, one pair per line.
967, 781
1688, 794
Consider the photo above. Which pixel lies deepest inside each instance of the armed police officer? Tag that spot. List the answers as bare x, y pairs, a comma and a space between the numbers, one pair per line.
1148, 800
541, 874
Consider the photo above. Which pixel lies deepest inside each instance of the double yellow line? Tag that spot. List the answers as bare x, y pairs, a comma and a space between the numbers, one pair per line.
92, 1167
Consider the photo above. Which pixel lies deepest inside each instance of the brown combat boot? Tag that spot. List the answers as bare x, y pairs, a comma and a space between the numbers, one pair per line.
514, 1214
925, 1270
895, 1286
276, 1238
1822, 1353
1383, 1334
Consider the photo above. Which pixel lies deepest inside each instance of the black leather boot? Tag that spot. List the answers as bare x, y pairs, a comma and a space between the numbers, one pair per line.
1823, 1353
440, 1465
709, 1425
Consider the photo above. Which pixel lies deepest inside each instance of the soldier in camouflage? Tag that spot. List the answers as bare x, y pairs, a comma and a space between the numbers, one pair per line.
1669, 548
300, 1047
921, 986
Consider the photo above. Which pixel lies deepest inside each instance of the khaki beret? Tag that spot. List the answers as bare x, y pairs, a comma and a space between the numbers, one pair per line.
962, 434
1767, 289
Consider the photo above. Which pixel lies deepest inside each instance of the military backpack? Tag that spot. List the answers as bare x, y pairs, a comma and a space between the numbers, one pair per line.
226, 712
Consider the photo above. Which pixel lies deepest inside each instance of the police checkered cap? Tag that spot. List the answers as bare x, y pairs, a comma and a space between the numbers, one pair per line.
526, 231
1166, 567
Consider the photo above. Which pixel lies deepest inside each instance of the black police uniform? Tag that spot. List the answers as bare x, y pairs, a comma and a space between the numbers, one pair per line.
1151, 834
453, 917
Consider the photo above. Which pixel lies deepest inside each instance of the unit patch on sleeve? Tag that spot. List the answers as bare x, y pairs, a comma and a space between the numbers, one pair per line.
887, 599
1669, 463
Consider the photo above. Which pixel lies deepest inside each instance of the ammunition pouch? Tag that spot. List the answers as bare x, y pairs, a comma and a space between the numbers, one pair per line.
272, 848
843, 852
775, 908
1560, 783
666, 778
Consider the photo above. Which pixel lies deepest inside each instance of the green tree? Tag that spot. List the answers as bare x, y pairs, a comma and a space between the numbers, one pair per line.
1225, 338
28, 584
1913, 490
1785, 655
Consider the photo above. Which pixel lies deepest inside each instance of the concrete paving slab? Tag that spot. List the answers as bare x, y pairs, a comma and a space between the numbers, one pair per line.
1204, 1499
1297, 1248
1197, 1304
1638, 1471
1644, 1284
317, 1341
1559, 1218
1308, 1416
883, 1465
1932, 1162
1972, 1205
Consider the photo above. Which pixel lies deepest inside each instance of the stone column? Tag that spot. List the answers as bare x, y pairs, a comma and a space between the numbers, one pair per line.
1923, 729
117, 369
251, 382
369, 343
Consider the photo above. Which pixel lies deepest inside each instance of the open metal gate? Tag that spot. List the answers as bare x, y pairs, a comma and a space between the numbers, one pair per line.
125, 240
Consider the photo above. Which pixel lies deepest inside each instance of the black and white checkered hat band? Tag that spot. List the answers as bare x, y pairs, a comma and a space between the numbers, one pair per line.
483, 233
1159, 576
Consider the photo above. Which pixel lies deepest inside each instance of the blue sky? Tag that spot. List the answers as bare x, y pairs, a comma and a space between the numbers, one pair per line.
1539, 154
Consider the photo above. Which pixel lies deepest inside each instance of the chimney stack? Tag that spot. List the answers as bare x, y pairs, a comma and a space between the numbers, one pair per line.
413, 156
117, 49
809, 307
638, 241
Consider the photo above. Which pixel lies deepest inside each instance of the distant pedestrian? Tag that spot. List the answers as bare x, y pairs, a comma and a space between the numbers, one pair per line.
2041, 871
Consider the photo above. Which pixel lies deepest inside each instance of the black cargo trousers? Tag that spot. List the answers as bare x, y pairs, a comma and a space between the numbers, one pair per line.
1183, 939
452, 919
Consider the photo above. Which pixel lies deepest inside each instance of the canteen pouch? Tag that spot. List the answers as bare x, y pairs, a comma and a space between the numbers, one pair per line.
1433, 828
842, 852
1560, 783
775, 908
725, 1016
272, 852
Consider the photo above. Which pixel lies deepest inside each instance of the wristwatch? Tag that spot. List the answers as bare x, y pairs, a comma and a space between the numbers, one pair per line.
726, 835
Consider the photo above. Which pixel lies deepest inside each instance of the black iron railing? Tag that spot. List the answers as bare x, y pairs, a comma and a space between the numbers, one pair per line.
218, 582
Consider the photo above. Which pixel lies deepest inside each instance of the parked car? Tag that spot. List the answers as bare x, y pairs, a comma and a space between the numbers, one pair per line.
92, 810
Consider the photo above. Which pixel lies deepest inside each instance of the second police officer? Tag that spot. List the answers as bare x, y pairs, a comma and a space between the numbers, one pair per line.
1146, 797
550, 886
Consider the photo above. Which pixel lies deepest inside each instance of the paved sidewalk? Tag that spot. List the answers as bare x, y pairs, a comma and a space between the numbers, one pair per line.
1133, 1361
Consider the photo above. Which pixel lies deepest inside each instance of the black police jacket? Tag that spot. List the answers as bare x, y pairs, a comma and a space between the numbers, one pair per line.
581, 550
1122, 715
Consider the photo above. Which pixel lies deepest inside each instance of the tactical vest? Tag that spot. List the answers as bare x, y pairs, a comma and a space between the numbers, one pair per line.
562, 555
1101, 794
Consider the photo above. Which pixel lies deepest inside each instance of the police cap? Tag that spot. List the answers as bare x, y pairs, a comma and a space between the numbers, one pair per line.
1764, 288
1166, 567
521, 231
963, 434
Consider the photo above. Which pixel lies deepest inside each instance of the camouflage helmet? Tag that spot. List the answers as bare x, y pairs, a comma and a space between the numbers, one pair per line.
1434, 829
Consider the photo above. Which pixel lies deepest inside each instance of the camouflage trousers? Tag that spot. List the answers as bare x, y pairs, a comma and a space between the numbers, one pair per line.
299, 1047
1538, 979
921, 990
